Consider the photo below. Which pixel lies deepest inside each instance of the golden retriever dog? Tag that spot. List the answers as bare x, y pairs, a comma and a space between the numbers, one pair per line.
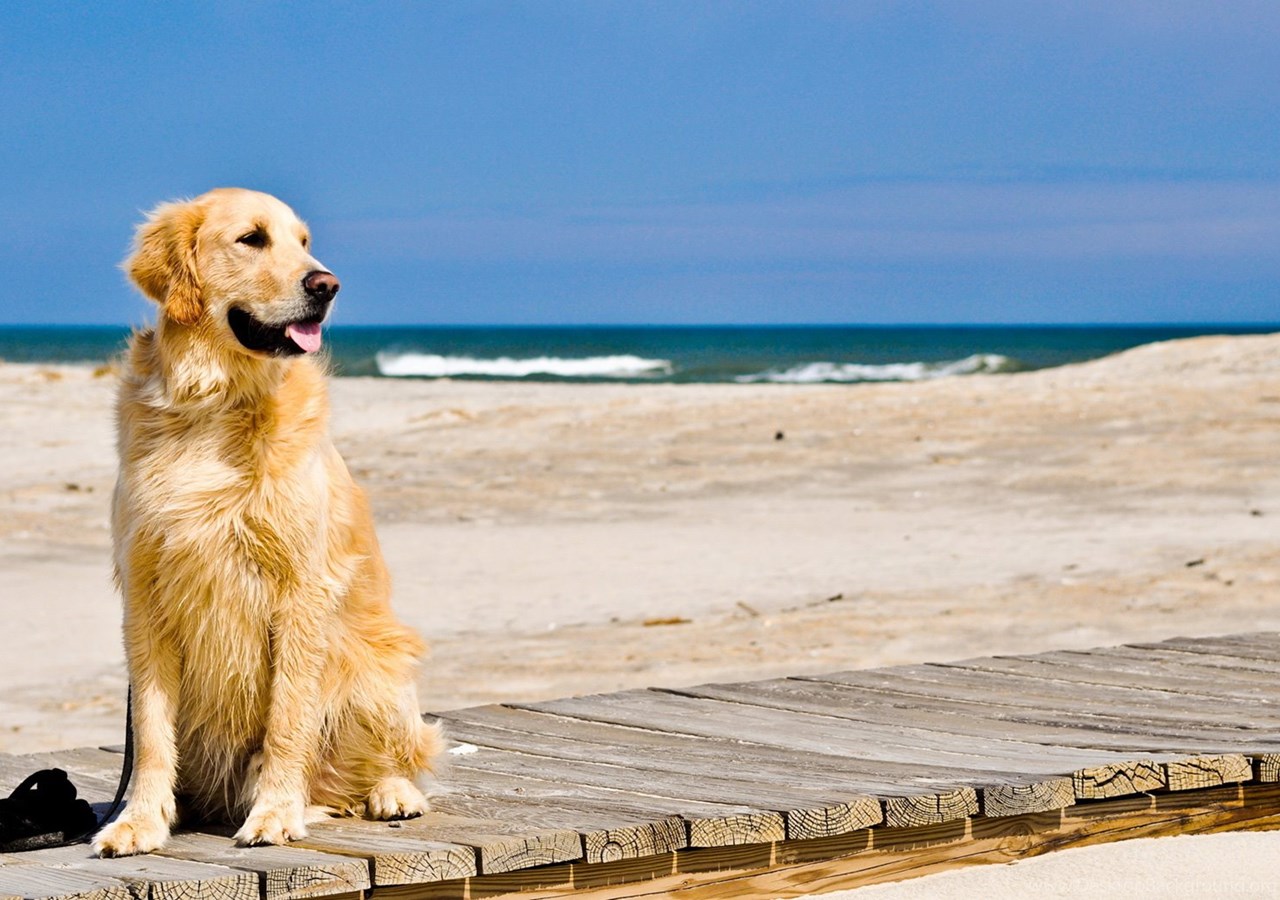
271, 681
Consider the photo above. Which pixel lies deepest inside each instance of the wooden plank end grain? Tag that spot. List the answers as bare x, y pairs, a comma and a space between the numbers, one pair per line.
150, 875
544, 849
1117, 780
1001, 800
635, 842
397, 852
735, 830
1207, 771
829, 821
285, 873
930, 809
39, 882
1267, 767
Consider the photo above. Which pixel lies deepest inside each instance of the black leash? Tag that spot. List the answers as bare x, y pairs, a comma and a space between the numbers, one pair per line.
44, 810
126, 768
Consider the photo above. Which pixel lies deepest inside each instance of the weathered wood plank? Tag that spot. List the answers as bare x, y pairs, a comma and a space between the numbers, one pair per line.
599, 813
1175, 653
705, 787
91, 761
1117, 780
152, 877
548, 734
652, 759
505, 834
1242, 687
1162, 705
613, 819
1267, 767
525, 854
1000, 801
794, 731
1260, 646
1240, 671
768, 775
285, 873
36, 882
95, 773
673, 790
1021, 795
958, 721
1188, 655
595, 832
635, 842
808, 733
912, 812
397, 857
839, 818
1080, 668
1156, 714
508, 842
749, 828
803, 868
1207, 771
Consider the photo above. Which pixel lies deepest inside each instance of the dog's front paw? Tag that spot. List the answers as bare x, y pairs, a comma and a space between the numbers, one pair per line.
273, 823
396, 798
129, 835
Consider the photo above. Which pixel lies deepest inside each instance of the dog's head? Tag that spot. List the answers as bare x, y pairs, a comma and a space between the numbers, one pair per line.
236, 263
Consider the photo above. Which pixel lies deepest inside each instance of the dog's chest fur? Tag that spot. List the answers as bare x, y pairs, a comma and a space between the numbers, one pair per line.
238, 485
222, 509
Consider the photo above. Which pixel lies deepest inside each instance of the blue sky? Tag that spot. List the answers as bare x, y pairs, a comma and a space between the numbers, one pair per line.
666, 162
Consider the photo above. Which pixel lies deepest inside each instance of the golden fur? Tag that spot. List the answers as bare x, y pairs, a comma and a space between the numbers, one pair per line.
268, 671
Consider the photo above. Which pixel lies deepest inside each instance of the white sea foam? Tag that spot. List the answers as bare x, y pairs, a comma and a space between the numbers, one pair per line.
818, 372
430, 365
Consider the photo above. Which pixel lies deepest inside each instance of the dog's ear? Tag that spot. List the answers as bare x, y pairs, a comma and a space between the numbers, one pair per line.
163, 263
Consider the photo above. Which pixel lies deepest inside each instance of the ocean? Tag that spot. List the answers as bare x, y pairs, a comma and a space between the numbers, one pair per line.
680, 354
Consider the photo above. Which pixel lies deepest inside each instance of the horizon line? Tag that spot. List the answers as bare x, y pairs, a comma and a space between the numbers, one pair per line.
1206, 323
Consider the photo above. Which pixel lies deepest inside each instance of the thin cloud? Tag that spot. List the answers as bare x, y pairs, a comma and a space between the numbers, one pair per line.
920, 222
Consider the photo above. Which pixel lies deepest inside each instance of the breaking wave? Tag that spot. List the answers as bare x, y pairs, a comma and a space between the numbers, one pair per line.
430, 365
819, 372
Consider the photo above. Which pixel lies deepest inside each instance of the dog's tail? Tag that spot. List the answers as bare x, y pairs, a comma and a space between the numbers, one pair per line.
429, 752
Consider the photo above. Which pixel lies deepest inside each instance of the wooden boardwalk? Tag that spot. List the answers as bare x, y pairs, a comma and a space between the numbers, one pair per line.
767, 788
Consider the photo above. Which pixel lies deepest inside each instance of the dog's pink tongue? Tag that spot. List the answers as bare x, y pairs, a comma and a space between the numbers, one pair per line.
306, 335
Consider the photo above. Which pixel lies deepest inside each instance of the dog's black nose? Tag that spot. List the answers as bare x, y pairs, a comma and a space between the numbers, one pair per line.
321, 285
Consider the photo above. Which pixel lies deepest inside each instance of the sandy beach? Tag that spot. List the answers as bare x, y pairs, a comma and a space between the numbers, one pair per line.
554, 539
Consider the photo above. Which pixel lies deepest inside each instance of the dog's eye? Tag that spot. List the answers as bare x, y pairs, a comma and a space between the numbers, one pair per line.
255, 238
306, 242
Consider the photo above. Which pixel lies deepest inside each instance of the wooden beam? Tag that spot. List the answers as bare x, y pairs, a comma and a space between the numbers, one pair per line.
802, 868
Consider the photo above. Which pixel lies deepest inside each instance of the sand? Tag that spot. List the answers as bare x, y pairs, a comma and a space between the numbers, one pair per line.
554, 539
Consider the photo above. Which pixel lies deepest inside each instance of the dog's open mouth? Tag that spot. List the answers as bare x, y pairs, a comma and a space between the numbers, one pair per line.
278, 340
